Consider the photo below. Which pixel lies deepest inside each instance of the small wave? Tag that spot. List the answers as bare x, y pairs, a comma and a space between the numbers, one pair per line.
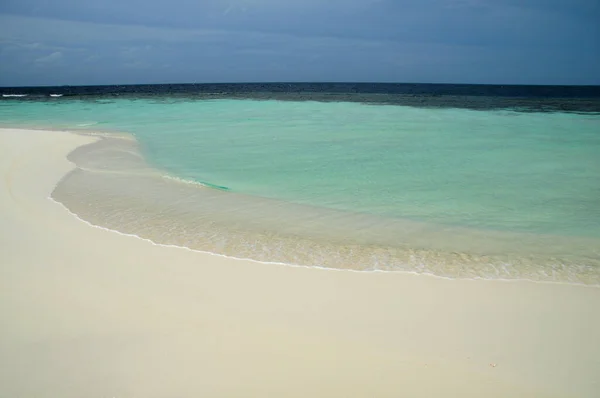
319, 268
192, 182
14, 95
87, 124
56, 95
219, 187
104, 134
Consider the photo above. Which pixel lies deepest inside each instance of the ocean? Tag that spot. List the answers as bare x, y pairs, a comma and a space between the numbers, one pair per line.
459, 181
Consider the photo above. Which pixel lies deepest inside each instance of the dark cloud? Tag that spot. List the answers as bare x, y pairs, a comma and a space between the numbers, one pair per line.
491, 41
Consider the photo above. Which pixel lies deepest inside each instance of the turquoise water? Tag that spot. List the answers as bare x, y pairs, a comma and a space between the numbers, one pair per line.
487, 172
498, 169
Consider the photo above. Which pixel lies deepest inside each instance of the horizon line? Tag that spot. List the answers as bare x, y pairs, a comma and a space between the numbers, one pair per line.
299, 83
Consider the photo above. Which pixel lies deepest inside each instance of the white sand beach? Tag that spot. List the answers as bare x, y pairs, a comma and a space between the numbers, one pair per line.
87, 312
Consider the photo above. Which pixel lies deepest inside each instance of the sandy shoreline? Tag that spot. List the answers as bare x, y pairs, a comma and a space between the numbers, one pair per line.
88, 312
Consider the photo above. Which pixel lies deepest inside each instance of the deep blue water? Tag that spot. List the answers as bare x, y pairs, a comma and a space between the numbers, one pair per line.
468, 96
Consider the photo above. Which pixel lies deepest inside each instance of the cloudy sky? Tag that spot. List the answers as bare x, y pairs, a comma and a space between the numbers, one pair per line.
56, 42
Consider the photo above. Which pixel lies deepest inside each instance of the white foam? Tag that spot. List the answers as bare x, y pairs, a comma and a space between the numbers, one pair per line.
239, 258
56, 95
184, 181
14, 95
321, 268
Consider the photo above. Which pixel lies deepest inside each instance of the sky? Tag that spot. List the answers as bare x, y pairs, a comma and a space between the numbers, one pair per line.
79, 42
